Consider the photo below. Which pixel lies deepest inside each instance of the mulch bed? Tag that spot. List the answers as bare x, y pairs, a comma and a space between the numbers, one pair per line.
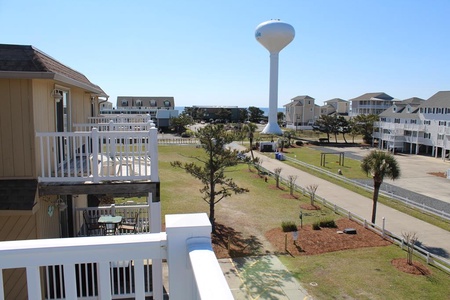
439, 174
312, 242
416, 268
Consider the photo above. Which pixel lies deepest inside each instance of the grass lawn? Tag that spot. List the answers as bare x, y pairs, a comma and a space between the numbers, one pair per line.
350, 274
365, 273
351, 168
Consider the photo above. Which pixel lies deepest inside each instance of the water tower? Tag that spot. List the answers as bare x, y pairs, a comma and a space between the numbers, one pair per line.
274, 35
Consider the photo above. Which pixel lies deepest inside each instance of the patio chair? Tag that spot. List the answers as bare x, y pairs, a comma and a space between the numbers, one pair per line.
130, 225
92, 225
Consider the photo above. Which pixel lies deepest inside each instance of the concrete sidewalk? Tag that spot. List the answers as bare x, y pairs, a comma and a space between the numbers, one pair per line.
435, 239
261, 277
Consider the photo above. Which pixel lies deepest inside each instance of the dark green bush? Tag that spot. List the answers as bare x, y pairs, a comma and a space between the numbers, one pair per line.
299, 143
288, 226
327, 223
316, 225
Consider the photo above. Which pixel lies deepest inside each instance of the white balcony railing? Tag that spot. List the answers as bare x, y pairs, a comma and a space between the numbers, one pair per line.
193, 270
120, 119
112, 126
400, 126
128, 212
96, 156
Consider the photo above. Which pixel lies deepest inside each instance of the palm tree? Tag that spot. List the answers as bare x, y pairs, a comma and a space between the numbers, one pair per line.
379, 165
250, 129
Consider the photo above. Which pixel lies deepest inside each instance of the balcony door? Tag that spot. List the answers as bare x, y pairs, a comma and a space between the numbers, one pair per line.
63, 122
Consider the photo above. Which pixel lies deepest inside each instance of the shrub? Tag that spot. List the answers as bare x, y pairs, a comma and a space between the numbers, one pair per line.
299, 143
327, 223
316, 225
288, 226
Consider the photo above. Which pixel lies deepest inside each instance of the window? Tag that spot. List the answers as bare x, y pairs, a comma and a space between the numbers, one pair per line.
138, 103
427, 122
397, 121
442, 123
440, 137
124, 103
426, 135
152, 103
167, 103
413, 121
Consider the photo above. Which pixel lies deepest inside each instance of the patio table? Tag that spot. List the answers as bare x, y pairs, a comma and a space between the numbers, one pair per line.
111, 223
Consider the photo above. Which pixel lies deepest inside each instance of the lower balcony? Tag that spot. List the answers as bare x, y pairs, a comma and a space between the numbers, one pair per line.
116, 266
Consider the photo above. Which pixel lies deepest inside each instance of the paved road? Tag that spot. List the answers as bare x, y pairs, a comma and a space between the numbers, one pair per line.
435, 239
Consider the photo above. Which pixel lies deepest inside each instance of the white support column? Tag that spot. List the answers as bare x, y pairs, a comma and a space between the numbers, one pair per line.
155, 227
179, 229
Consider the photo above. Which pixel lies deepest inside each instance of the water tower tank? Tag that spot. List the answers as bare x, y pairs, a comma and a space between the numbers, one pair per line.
274, 35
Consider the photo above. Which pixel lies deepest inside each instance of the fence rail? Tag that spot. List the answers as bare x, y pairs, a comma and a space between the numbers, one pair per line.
430, 258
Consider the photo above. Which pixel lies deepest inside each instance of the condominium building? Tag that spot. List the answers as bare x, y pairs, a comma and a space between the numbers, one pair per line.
370, 104
335, 106
159, 109
301, 111
417, 126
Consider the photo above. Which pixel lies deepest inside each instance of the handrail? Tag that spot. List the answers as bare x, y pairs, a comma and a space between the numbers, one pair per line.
90, 267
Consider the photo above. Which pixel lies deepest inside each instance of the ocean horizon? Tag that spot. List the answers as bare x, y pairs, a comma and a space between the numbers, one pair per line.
264, 109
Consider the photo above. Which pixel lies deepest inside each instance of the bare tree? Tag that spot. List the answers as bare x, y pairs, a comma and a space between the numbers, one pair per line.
312, 188
277, 173
410, 239
257, 161
291, 182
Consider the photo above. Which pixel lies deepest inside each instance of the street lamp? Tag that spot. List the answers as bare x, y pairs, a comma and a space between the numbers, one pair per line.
301, 219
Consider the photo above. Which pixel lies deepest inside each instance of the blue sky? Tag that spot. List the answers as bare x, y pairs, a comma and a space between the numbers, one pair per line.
205, 52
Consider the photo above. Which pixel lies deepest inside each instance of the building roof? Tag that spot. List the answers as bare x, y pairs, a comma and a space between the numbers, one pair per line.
335, 100
440, 99
401, 113
304, 97
413, 101
19, 61
373, 96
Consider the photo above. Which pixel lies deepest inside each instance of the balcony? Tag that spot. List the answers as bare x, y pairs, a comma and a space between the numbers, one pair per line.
399, 126
98, 156
114, 267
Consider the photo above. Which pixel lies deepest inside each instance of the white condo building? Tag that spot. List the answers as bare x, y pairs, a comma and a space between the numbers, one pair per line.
416, 126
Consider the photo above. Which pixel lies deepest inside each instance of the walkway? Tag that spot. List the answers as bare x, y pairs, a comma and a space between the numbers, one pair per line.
434, 239
261, 277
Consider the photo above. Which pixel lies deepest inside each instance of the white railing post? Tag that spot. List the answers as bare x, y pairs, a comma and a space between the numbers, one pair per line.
2, 291
34, 283
384, 226
94, 136
179, 229
152, 144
